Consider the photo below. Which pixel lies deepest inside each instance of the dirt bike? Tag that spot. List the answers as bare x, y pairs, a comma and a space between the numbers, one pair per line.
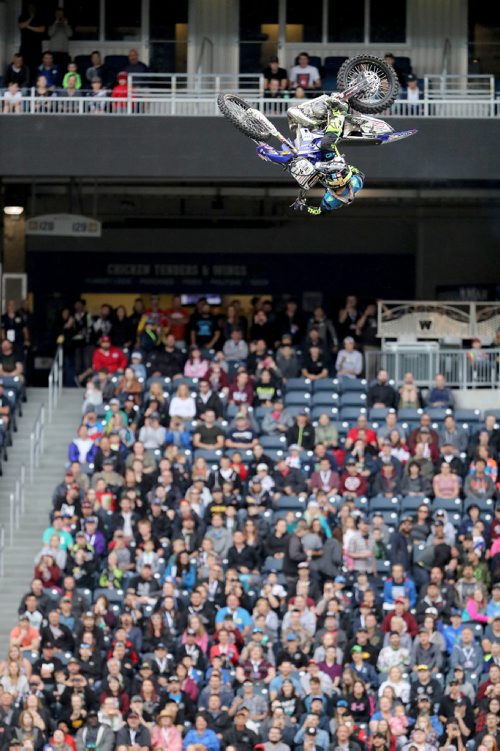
366, 84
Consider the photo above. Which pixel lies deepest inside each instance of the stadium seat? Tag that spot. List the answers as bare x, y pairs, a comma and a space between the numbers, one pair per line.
410, 503
332, 412
484, 504
438, 414
351, 413
447, 504
409, 414
299, 384
381, 503
467, 415
259, 412
116, 63
333, 64
291, 503
325, 398
353, 399
378, 413
273, 441
326, 384
352, 384
297, 399
209, 456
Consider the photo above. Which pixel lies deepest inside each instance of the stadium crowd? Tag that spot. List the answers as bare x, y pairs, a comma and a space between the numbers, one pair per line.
251, 546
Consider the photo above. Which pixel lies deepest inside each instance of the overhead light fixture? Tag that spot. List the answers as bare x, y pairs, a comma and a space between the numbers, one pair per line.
13, 210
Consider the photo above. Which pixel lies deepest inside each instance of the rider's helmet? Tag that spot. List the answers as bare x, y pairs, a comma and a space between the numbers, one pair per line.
339, 173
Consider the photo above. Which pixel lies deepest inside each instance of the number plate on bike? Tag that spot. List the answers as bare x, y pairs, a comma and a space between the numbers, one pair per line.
302, 170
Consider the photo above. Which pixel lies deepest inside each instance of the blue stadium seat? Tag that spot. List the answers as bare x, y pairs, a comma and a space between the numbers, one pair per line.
438, 413
191, 383
447, 504
297, 399
410, 503
378, 413
332, 412
381, 503
383, 567
351, 413
486, 504
353, 399
273, 441
209, 456
291, 503
409, 414
299, 384
295, 410
275, 454
325, 398
326, 384
333, 64
261, 412
352, 384
467, 415
391, 518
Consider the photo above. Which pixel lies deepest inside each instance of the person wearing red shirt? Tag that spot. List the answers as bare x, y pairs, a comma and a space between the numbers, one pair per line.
109, 357
362, 424
401, 611
177, 319
352, 482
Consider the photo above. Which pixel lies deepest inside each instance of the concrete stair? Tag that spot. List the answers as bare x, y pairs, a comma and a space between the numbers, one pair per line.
19, 558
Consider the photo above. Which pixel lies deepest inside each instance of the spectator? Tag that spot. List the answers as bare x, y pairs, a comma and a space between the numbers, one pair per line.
60, 32
135, 65
72, 70
381, 393
440, 395
32, 29
305, 75
274, 73
301, 434
98, 70
50, 71
12, 98
349, 362
17, 72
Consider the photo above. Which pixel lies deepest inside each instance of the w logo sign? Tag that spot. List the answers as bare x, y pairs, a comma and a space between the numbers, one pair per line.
425, 325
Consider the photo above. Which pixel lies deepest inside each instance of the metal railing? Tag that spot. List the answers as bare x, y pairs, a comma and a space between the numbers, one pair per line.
192, 104
37, 439
462, 368
436, 319
17, 503
55, 382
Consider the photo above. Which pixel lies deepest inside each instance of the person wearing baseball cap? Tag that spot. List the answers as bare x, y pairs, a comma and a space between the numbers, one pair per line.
108, 357
134, 733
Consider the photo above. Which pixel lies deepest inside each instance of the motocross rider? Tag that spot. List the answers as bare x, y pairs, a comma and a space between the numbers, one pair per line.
340, 180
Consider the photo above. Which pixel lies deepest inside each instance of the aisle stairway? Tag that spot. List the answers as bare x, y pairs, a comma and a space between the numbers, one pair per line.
19, 559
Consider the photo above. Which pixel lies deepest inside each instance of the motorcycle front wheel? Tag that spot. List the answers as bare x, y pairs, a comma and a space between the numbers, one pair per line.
244, 117
382, 86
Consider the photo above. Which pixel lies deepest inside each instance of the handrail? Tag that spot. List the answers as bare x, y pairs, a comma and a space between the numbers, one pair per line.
37, 439
205, 41
481, 104
17, 506
55, 381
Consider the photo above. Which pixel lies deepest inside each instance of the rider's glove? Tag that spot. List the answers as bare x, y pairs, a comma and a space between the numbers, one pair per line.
337, 102
299, 205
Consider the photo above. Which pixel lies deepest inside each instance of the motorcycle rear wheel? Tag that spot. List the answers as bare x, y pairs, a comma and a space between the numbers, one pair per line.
242, 116
380, 95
